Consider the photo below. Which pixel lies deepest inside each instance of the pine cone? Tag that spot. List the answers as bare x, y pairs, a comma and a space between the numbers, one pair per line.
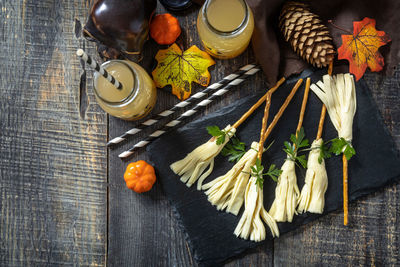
307, 35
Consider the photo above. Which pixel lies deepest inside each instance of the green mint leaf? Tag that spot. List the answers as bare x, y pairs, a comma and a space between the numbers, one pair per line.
271, 168
349, 152
273, 172
220, 140
237, 142
293, 138
226, 151
288, 146
273, 177
340, 145
232, 158
304, 143
302, 160
260, 182
256, 171
299, 140
218, 133
214, 131
234, 149
236, 157
289, 150
253, 169
324, 153
300, 134
337, 145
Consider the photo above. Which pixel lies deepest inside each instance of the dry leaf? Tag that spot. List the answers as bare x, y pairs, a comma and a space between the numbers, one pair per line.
181, 69
361, 48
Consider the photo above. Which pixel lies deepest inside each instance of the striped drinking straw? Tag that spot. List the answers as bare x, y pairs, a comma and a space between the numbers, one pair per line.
173, 123
80, 53
232, 79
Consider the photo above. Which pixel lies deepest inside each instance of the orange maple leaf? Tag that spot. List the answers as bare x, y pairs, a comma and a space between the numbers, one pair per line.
361, 48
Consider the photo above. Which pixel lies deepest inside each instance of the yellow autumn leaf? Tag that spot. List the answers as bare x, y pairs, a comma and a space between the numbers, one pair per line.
181, 69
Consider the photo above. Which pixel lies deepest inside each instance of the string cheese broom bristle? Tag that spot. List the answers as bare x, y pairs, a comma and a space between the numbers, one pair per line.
193, 167
287, 192
339, 96
227, 191
251, 223
312, 196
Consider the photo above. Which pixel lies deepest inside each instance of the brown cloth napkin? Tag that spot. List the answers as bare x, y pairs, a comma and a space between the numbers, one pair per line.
276, 56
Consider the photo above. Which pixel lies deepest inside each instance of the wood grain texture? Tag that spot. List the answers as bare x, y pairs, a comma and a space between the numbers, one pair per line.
54, 165
373, 235
53, 162
142, 228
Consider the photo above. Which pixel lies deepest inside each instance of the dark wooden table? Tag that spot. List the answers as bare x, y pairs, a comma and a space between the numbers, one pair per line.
63, 200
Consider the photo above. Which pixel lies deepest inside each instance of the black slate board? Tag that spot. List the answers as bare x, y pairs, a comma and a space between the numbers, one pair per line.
210, 232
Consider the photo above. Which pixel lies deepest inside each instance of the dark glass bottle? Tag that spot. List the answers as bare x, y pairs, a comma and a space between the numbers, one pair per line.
120, 24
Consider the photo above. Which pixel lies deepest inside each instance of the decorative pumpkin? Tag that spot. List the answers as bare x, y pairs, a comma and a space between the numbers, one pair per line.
164, 29
140, 176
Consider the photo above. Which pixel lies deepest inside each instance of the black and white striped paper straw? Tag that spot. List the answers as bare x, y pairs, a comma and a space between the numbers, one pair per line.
169, 112
80, 53
172, 124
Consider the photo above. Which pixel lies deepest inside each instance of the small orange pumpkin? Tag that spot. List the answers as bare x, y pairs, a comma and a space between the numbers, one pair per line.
140, 176
164, 29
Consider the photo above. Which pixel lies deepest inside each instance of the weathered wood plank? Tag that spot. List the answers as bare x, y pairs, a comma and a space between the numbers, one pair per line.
372, 237
142, 228
53, 188
53, 163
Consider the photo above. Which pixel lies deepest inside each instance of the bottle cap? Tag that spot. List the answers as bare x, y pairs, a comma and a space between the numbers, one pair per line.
176, 5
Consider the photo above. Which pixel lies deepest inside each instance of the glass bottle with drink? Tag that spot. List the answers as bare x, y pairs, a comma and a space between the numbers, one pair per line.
225, 27
137, 96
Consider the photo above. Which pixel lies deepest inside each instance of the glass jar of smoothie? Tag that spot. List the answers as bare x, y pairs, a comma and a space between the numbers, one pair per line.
225, 27
137, 96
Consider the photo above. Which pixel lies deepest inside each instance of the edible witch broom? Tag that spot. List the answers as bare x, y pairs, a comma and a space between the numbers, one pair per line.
193, 166
339, 96
311, 40
312, 196
287, 192
250, 224
227, 191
